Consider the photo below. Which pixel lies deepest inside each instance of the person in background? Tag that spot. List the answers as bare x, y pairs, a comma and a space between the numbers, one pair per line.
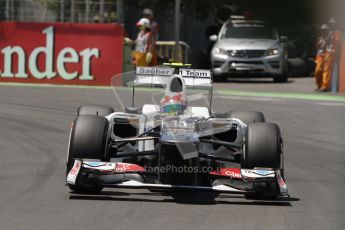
145, 50
321, 43
331, 55
113, 18
96, 19
154, 26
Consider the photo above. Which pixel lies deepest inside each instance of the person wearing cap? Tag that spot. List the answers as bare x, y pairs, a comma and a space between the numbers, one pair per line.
96, 19
154, 26
321, 43
331, 55
144, 53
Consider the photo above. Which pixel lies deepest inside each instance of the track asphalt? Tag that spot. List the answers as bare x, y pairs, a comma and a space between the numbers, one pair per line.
35, 124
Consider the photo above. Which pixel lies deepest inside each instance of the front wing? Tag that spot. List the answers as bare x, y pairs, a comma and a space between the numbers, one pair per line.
113, 174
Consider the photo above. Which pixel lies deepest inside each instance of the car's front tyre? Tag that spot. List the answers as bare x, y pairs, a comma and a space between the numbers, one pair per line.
94, 110
263, 149
88, 139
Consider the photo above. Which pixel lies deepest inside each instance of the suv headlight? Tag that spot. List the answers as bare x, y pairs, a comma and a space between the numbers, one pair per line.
217, 50
272, 52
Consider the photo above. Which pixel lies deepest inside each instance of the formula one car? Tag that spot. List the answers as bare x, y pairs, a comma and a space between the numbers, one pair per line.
171, 144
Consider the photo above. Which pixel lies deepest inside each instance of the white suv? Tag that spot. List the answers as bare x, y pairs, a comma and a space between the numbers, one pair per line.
248, 47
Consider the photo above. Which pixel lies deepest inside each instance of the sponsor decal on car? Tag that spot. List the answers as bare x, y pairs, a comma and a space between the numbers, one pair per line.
121, 167
163, 71
75, 168
95, 164
199, 73
104, 167
228, 172
112, 167
256, 174
281, 182
125, 167
263, 172
73, 174
282, 185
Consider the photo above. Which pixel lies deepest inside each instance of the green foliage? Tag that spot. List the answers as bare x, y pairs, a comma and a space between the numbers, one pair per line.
53, 5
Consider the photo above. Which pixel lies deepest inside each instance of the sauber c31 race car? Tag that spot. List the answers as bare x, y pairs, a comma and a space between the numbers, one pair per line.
171, 144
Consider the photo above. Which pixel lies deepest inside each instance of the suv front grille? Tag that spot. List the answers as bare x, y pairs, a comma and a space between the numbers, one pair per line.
246, 53
246, 62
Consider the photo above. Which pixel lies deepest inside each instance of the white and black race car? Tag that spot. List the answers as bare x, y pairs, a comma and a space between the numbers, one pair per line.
173, 145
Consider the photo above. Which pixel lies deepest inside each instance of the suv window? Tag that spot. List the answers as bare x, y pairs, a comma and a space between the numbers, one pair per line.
248, 31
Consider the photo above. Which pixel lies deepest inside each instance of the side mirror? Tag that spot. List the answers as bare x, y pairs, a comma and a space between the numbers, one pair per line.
284, 39
213, 38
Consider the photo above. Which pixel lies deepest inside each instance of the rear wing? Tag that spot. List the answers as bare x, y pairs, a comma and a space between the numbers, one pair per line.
159, 76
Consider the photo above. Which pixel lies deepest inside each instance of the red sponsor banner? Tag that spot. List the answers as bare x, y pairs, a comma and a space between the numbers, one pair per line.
60, 53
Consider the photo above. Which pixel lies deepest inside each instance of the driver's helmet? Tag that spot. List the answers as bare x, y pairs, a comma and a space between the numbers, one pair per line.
173, 105
174, 101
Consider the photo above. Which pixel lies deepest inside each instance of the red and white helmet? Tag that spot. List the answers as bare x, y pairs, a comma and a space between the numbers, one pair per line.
144, 22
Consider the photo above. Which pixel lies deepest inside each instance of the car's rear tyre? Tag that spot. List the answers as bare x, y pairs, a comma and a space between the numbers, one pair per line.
263, 149
88, 139
94, 110
247, 116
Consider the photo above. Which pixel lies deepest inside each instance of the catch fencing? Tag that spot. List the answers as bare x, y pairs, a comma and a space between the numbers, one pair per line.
83, 11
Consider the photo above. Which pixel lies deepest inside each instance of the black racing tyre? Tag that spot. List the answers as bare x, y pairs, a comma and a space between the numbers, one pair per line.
281, 78
247, 116
262, 146
94, 110
88, 139
89, 136
263, 149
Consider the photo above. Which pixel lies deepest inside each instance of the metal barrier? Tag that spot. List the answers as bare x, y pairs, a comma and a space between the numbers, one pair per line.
166, 52
84, 11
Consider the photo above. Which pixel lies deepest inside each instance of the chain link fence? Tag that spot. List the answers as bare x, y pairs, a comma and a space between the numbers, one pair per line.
84, 11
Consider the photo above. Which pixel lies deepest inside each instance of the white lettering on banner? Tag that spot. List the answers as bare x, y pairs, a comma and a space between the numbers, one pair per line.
87, 55
195, 73
49, 52
65, 56
154, 71
62, 59
8, 52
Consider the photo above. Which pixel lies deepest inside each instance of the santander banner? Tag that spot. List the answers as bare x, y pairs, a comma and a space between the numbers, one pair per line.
60, 53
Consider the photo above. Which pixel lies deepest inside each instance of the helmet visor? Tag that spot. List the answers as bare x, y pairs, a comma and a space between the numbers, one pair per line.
173, 109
